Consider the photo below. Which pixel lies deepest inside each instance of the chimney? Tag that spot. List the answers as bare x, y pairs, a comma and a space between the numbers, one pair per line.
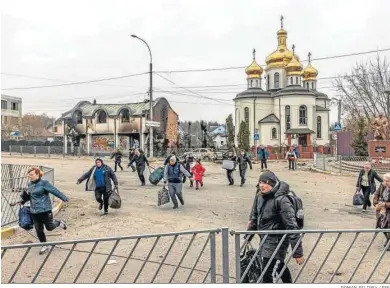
94, 102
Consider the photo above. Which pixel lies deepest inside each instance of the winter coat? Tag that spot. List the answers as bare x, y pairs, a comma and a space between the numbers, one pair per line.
261, 153
39, 196
140, 160
91, 181
372, 175
243, 162
378, 197
118, 156
290, 155
198, 171
174, 174
272, 211
188, 161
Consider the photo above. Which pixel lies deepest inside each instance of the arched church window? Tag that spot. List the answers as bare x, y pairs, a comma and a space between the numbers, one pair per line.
302, 115
246, 110
291, 81
312, 85
307, 85
276, 80
287, 112
296, 80
268, 83
274, 133
319, 124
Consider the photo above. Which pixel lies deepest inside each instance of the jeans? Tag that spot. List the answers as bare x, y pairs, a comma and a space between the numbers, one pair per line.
291, 164
118, 164
274, 270
175, 189
101, 196
42, 220
263, 164
230, 176
140, 171
242, 175
366, 192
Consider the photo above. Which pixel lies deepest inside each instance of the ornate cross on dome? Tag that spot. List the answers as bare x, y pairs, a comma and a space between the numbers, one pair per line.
309, 56
254, 53
281, 21
293, 48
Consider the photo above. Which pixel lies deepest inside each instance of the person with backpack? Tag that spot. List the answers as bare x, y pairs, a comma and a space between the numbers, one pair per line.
99, 180
291, 157
38, 194
140, 161
243, 162
198, 172
117, 155
277, 208
131, 155
173, 174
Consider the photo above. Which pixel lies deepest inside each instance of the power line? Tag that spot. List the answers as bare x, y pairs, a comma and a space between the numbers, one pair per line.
190, 70
77, 83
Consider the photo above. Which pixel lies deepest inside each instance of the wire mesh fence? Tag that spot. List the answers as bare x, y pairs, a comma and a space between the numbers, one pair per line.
13, 181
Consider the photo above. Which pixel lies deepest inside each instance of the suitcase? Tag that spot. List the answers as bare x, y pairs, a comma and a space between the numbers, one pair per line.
156, 176
228, 164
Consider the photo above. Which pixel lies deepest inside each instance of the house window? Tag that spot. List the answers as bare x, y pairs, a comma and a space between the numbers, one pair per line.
102, 117
302, 115
274, 133
125, 116
246, 114
4, 104
78, 117
319, 127
14, 106
55, 129
276, 80
287, 112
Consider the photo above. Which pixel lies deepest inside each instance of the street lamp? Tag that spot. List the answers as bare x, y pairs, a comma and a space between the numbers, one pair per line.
150, 95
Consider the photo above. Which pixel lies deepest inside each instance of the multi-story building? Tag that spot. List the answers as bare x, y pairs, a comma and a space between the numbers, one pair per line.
104, 127
11, 115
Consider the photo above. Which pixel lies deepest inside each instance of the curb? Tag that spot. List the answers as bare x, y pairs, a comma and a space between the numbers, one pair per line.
11, 231
329, 173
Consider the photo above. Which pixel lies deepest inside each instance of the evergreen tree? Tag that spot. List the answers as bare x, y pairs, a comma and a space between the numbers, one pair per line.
359, 143
243, 136
230, 130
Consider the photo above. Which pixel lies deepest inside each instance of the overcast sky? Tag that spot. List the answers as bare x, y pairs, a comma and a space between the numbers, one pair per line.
79, 40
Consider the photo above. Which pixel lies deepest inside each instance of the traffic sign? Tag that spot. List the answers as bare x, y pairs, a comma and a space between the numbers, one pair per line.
334, 136
256, 137
337, 127
152, 123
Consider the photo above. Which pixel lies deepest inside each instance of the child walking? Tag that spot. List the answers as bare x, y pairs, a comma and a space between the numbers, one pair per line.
198, 171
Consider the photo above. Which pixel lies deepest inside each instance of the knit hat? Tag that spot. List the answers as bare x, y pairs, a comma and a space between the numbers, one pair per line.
173, 158
269, 178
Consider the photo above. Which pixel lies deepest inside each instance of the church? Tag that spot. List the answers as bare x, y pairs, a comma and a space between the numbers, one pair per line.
290, 110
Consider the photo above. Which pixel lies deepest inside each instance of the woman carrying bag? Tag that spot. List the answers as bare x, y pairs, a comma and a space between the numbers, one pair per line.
366, 183
38, 193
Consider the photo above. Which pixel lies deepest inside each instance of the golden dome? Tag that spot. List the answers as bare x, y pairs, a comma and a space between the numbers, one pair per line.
281, 56
254, 70
309, 73
294, 67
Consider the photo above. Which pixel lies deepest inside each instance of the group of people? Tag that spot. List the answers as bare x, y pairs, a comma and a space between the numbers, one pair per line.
291, 156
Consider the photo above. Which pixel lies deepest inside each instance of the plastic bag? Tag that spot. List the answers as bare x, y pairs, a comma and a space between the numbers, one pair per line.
25, 219
163, 196
358, 198
115, 200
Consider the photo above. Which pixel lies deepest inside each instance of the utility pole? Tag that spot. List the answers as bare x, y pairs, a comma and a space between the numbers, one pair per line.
339, 111
151, 142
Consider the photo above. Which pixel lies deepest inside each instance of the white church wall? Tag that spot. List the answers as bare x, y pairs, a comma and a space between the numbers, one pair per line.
266, 134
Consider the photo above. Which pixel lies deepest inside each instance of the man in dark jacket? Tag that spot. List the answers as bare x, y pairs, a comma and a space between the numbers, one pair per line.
273, 210
99, 180
117, 155
243, 162
131, 155
140, 161
230, 156
188, 162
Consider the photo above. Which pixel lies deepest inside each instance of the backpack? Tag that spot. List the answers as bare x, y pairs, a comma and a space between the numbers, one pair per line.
298, 207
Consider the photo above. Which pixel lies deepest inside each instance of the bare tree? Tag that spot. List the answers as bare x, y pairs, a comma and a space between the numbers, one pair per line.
35, 125
363, 90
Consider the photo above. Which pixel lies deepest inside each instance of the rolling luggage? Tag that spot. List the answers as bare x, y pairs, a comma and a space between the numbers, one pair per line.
156, 176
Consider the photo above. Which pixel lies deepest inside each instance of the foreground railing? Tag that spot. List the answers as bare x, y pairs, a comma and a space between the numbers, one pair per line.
156, 258
13, 181
332, 256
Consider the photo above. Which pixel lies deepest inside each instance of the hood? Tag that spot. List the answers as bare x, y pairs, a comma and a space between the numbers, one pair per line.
282, 188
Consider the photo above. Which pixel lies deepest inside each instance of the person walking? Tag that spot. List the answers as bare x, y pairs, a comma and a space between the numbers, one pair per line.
198, 172
38, 193
291, 157
229, 172
99, 180
140, 161
243, 162
173, 174
166, 162
296, 150
117, 155
381, 203
189, 163
273, 210
366, 182
263, 156
131, 155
